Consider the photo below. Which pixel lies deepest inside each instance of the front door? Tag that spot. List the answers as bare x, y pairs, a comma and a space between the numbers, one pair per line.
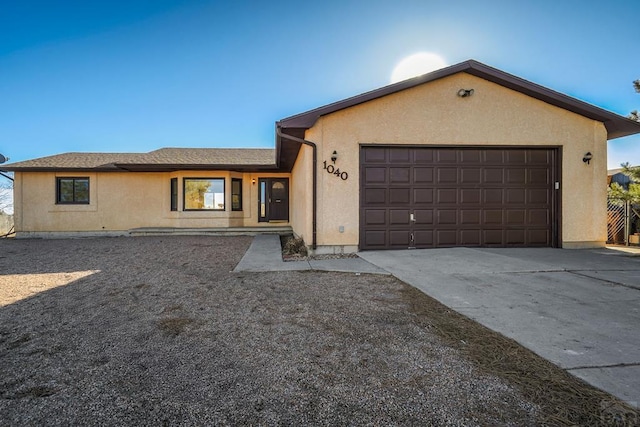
273, 199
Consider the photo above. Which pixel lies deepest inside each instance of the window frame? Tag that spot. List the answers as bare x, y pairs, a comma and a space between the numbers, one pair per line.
184, 194
239, 194
74, 179
174, 194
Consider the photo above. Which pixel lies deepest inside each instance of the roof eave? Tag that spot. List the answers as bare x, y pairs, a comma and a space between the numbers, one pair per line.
617, 126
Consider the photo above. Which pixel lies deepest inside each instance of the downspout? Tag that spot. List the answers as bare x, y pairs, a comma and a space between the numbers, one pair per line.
315, 179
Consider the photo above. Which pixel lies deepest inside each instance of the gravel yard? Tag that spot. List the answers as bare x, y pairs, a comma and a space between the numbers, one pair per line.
158, 331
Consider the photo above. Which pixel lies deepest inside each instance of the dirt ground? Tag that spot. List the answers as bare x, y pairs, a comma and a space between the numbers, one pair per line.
159, 331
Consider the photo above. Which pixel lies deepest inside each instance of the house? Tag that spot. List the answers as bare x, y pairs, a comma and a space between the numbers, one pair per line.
618, 176
464, 156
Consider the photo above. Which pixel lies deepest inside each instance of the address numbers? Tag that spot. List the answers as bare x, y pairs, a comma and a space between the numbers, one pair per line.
334, 171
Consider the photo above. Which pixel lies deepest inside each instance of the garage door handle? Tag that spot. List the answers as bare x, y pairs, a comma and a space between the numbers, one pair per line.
412, 218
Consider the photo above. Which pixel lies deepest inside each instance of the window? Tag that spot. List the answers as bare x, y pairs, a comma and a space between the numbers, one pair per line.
204, 194
72, 191
236, 194
174, 194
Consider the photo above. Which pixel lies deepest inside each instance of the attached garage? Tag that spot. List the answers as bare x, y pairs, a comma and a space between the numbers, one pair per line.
428, 197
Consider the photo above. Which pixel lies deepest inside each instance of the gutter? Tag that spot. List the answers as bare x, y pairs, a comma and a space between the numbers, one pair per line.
313, 146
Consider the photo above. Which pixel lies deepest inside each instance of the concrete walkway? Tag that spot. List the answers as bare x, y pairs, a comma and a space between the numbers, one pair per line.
265, 254
580, 309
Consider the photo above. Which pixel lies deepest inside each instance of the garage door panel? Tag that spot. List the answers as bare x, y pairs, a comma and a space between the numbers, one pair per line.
470, 176
422, 175
493, 176
470, 217
399, 175
424, 155
538, 157
539, 177
516, 176
375, 196
445, 155
375, 155
399, 216
446, 195
458, 197
375, 217
375, 239
375, 175
446, 238
423, 216
400, 155
470, 237
447, 216
515, 196
423, 238
470, 196
447, 175
493, 196
539, 217
399, 238
538, 196
470, 156
423, 196
399, 196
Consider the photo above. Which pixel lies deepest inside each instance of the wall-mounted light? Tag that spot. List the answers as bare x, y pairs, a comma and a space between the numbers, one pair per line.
587, 157
253, 181
463, 93
334, 156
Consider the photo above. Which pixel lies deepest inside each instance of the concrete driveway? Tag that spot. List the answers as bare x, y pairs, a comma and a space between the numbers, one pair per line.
579, 309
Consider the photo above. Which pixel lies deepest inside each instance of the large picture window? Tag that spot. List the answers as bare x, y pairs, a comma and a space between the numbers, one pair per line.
236, 194
72, 191
204, 194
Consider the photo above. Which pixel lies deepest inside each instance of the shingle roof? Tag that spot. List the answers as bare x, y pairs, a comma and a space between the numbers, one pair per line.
162, 159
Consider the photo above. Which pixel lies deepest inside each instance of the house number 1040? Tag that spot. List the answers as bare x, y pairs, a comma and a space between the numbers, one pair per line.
333, 171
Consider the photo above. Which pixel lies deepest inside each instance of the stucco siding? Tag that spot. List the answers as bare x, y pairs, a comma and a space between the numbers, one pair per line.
122, 201
433, 114
301, 214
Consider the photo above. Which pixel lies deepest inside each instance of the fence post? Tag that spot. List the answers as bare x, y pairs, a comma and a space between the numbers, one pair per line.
627, 221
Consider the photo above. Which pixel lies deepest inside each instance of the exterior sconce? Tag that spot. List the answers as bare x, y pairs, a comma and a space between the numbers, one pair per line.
253, 181
334, 156
587, 157
463, 93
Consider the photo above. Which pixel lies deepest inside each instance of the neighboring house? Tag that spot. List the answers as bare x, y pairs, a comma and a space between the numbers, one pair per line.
464, 156
618, 176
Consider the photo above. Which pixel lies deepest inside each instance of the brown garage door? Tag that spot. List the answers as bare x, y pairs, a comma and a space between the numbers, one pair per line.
444, 197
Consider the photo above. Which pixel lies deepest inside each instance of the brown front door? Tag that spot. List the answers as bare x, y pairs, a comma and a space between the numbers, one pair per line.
273, 199
418, 197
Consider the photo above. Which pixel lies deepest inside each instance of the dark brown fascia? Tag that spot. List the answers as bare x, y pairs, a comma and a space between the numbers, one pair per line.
152, 168
617, 126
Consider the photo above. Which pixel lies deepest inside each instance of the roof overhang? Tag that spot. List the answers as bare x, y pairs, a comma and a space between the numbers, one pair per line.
617, 126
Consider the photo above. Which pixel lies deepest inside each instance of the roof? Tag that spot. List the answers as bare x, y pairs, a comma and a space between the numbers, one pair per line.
164, 159
617, 126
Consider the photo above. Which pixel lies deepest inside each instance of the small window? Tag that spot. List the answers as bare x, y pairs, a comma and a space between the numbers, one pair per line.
72, 191
174, 194
204, 194
236, 194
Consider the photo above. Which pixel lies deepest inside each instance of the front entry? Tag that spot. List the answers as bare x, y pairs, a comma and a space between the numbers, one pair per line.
273, 199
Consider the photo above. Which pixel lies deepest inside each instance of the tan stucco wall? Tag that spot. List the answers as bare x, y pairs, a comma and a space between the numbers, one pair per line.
433, 114
120, 201
301, 214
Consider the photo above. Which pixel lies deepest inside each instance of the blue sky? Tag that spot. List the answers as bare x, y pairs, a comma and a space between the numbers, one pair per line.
134, 76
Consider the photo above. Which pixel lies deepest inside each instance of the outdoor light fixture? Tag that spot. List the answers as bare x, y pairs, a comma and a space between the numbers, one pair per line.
463, 93
587, 157
253, 181
334, 156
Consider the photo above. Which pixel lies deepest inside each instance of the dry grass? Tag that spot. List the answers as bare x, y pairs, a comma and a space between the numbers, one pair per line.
161, 332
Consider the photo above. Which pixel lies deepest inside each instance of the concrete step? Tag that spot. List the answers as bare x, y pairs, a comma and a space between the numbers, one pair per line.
218, 231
